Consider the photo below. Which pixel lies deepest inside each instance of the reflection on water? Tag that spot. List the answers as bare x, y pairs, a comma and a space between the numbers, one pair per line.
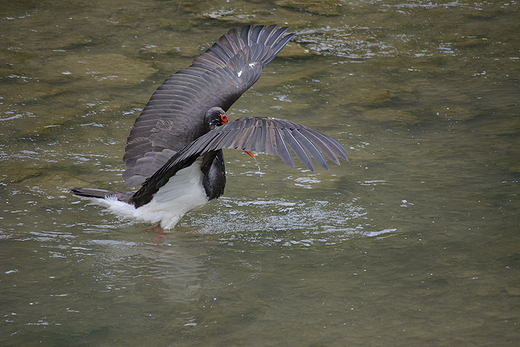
413, 241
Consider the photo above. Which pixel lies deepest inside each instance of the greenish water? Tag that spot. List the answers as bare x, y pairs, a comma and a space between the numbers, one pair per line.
415, 241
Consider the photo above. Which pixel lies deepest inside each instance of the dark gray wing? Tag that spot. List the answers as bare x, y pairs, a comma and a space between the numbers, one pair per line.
262, 134
174, 115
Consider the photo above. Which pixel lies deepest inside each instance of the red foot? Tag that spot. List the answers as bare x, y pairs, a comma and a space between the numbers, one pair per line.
159, 235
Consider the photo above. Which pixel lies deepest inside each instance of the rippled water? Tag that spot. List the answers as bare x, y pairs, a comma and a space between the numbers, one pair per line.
414, 241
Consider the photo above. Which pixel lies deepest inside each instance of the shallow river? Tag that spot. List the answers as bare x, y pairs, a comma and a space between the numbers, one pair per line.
415, 241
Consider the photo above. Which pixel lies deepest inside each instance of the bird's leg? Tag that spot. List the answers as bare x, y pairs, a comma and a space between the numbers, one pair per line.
160, 233
156, 226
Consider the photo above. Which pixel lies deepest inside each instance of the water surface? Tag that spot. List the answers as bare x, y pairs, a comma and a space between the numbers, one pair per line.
414, 241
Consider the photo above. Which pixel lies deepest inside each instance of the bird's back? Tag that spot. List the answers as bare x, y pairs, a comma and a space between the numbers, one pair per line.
174, 115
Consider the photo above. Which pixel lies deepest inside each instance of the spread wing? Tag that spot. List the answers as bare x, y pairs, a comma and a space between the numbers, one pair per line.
262, 134
174, 115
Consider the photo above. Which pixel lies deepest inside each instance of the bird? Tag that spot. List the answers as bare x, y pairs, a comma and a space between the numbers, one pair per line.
174, 149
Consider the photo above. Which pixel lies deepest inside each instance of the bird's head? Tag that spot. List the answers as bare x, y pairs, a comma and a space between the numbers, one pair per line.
215, 117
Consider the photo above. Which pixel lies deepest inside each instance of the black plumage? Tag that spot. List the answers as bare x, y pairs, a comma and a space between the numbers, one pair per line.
174, 114
184, 127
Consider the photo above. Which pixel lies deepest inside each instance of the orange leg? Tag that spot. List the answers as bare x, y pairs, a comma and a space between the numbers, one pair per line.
159, 235
160, 231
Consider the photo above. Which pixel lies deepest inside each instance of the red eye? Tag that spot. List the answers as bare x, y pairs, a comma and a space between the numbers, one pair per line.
224, 119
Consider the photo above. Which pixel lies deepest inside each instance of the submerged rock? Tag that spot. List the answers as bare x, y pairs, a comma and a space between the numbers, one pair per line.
106, 69
322, 7
390, 115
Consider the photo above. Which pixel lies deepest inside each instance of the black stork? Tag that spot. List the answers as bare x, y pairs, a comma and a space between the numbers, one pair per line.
174, 150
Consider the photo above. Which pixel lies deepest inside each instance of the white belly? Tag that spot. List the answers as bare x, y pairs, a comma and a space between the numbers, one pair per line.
184, 192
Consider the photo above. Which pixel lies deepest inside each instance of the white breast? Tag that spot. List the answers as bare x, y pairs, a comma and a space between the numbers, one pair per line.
184, 192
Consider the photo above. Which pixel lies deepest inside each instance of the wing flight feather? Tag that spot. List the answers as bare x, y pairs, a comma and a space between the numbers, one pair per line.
217, 78
262, 134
